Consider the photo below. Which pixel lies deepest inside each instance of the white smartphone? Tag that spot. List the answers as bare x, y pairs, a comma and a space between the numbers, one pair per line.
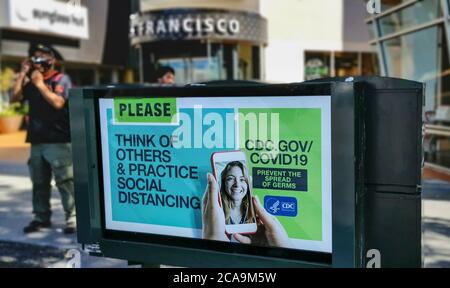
235, 191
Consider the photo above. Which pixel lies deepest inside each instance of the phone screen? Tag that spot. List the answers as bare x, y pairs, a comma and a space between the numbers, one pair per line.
235, 192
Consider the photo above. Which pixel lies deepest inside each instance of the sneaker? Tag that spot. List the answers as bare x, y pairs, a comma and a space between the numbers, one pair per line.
70, 228
36, 226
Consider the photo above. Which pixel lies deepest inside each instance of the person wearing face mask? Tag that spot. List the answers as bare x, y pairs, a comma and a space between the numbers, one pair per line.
47, 91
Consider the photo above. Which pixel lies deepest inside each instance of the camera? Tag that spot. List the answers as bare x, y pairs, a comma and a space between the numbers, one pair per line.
45, 63
35, 60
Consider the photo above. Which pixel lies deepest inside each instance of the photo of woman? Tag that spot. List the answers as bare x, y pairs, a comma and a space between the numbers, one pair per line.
235, 194
228, 204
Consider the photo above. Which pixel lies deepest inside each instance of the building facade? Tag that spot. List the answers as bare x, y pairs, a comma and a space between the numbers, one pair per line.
413, 41
201, 40
83, 33
312, 39
273, 41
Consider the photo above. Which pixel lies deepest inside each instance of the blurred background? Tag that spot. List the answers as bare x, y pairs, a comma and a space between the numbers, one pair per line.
109, 42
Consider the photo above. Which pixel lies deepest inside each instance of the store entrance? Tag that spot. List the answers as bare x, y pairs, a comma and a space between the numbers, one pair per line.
200, 61
195, 69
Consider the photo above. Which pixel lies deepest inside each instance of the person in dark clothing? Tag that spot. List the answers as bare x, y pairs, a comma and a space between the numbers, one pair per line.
166, 75
47, 91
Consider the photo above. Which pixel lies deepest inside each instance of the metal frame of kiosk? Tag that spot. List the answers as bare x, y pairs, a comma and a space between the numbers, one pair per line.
358, 191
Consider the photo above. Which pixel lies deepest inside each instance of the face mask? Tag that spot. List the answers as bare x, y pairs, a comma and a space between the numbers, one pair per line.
45, 63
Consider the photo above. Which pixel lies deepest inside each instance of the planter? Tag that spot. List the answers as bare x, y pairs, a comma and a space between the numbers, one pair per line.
10, 124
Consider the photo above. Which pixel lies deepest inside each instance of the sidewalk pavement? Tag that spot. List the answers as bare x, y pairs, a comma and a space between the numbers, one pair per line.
15, 213
436, 223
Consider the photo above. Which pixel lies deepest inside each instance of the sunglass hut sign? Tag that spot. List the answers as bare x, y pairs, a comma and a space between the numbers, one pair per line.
182, 27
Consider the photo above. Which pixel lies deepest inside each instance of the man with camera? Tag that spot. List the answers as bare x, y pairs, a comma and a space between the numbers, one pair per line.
46, 91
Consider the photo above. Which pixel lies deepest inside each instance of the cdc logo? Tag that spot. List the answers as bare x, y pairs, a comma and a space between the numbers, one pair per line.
281, 206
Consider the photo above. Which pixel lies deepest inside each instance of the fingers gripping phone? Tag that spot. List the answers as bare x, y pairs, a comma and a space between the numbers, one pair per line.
235, 191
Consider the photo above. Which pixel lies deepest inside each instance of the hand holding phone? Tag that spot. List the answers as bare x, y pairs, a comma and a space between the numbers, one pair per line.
213, 217
235, 192
272, 234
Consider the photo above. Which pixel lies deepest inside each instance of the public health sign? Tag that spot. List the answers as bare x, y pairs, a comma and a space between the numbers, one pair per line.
157, 154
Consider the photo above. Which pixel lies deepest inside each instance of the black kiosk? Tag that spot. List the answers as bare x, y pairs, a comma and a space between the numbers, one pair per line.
335, 163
